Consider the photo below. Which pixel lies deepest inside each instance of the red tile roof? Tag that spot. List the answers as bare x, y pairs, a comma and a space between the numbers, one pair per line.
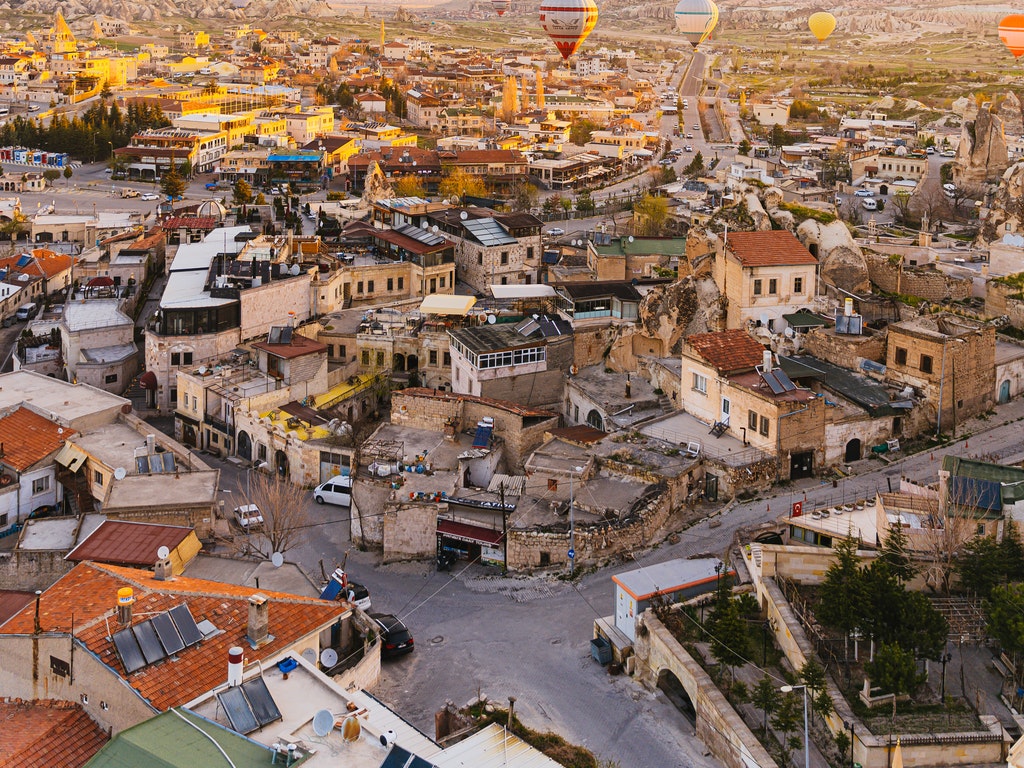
45, 263
729, 351
124, 542
771, 248
46, 733
90, 591
27, 438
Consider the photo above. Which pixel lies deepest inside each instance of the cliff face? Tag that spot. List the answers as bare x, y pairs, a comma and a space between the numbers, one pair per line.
151, 10
1007, 207
982, 156
841, 259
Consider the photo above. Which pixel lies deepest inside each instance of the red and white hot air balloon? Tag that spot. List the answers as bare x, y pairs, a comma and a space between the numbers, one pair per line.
501, 6
1011, 32
568, 22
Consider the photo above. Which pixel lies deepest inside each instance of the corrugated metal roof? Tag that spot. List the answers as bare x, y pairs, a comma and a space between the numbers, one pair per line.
515, 485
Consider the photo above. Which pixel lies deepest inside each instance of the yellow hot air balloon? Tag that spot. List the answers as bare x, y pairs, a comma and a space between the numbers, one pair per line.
822, 24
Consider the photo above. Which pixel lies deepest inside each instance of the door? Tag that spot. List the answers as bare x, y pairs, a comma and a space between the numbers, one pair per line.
711, 487
801, 465
1004, 392
726, 407
852, 452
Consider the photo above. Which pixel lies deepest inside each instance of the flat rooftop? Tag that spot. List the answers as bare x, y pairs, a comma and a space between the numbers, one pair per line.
670, 576
185, 489
114, 444
289, 578
70, 402
89, 314
680, 429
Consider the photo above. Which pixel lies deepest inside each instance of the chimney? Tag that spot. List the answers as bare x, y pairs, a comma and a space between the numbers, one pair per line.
766, 361
125, 598
150, 444
259, 624
162, 570
234, 666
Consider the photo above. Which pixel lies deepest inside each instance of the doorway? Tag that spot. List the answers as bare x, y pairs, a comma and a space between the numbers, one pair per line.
801, 465
853, 451
244, 446
1004, 392
726, 408
711, 487
674, 691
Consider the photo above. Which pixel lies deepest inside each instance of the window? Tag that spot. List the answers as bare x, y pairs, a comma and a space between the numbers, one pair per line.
433, 357
926, 363
186, 358
700, 383
442, 281
3, 520
752, 420
504, 281
773, 287
40, 485
342, 352
757, 287
175, 358
369, 286
447, 358
901, 356
110, 378
480, 259
401, 283
391, 283
798, 285
529, 252
380, 358
366, 357
504, 258
981, 529
433, 285
764, 426
97, 477
359, 287
576, 413
214, 438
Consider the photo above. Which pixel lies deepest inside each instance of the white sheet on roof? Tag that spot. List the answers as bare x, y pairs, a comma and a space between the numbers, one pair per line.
521, 291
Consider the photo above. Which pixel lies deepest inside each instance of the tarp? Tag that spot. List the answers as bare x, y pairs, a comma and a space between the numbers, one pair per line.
447, 304
521, 291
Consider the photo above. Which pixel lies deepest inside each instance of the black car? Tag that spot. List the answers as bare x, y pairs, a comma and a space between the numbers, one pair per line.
395, 636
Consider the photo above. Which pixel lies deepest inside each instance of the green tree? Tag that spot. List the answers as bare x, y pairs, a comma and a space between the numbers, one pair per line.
524, 196
1004, 613
68, 173
552, 205
171, 183
788, 717
51, 175
894, 670
581, 131
730, 641
744, 147
919, 627
650, 215
695, 167
842, 592
766, 698
584, 203
241, 192
895, 554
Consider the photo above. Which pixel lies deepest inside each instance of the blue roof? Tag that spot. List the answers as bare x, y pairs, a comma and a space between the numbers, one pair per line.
314, 158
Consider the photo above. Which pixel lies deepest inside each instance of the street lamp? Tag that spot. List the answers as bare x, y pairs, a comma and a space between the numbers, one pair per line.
946, 657
850, 726
572, 524
807, 740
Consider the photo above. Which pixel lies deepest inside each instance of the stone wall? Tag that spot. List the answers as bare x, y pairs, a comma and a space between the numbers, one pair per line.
841, 349
719, 726
30, 570
927, 283
999, 301
409, 531
270, 303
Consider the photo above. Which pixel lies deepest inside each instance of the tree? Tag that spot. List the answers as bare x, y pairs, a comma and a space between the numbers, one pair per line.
919, 627
730, 641
584, 203
695, 167
842, 592
551, 205
460, 184
766, 698
650, 214
581, 131
241, 192
171, 183
524, 196
284, 521
787, 718
51, 175
893, 670
744, 147
410, 186
105, 92
979, 566
1004, 612
894, 554
260, 199
68, 173
901, 202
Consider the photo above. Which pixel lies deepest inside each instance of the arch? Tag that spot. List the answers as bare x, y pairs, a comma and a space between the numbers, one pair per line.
281, 464
245, 445
1004, 392
853, 450
595, 419
413, 363
674, 691
398, 362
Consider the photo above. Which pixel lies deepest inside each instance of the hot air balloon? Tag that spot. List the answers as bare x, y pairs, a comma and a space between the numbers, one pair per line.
821, 24
696, 19
568, 22
501, 6
1011, 32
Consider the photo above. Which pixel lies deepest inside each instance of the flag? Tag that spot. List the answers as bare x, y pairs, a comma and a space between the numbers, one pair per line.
897, 756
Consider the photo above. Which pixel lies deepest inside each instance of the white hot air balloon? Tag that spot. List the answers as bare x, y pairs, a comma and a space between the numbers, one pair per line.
696, 19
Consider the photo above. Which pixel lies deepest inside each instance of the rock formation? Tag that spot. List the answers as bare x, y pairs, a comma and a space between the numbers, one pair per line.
842, 263
982, 156
1007, 207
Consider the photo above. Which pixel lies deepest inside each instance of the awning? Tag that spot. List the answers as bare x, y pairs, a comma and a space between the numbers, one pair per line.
447, 304
803, 320
72, 457
148, 380
521, 291
471, 533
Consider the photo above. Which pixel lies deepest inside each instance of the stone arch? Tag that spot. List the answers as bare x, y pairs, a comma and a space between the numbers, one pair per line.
244, 445
595, 419
674, 691
853, 450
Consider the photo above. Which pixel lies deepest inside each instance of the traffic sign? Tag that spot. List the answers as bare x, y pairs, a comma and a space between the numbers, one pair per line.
572, 554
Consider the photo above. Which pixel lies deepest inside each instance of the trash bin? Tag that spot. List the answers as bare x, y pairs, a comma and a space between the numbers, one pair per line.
601, 650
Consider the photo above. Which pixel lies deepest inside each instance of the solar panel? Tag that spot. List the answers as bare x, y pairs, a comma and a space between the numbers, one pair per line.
419, 762
168, 459
238, 711
784, 380
186, 624
286, 335
168, 633
528, 326
128, 649
773, 384
261, 702
397, 758
142, 464
149, 642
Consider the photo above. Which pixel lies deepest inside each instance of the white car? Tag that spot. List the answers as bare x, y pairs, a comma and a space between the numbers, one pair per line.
150, 196
556, 232
949, 187
688, 148
864, 193
249, 517
948, 153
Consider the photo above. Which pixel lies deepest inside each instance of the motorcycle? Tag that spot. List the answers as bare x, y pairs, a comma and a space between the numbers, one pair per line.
445, 561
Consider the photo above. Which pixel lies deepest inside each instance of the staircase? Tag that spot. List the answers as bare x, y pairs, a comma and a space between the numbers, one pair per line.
76, 491
665, 403
718, 429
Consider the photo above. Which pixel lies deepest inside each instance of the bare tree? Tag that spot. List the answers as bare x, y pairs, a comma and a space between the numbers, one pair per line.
284, 516
933, 202
944, 537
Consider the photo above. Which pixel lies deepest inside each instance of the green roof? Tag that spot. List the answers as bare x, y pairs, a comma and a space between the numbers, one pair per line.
179, 738
804, 320
1006, 483
643, 246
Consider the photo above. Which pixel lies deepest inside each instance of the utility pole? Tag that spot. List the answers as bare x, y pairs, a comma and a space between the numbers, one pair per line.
504, 530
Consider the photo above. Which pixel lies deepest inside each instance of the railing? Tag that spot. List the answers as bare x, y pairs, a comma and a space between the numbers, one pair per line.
742, 457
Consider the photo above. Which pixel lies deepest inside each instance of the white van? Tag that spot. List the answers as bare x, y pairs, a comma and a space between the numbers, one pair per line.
27, 311
337, 490
869, 204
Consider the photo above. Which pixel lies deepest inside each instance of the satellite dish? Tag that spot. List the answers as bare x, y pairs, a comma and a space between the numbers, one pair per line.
60, 430
309, 655
491, 319
120, 473
631, 238
434, 229
425, 225
277, 559
463, 215
323, 722
328, 658
764, 319
350, 729
788, 332
202, 370
163, 552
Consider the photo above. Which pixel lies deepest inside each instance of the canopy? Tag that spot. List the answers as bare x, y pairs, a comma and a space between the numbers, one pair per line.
447, 304
148, 380
534, 291
71, 456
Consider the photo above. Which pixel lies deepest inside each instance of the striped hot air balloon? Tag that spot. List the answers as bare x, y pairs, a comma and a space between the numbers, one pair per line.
568, 22
501, 6
696, 19
1011, 32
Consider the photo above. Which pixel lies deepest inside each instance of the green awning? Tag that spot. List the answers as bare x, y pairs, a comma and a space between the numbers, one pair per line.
804, 320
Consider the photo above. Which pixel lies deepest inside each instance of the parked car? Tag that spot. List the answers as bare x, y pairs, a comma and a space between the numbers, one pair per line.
688, 148
666, 161
864, 193
337, 490
396, 639
556, 232
150, 196
948, 153
249, 517
359, 595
